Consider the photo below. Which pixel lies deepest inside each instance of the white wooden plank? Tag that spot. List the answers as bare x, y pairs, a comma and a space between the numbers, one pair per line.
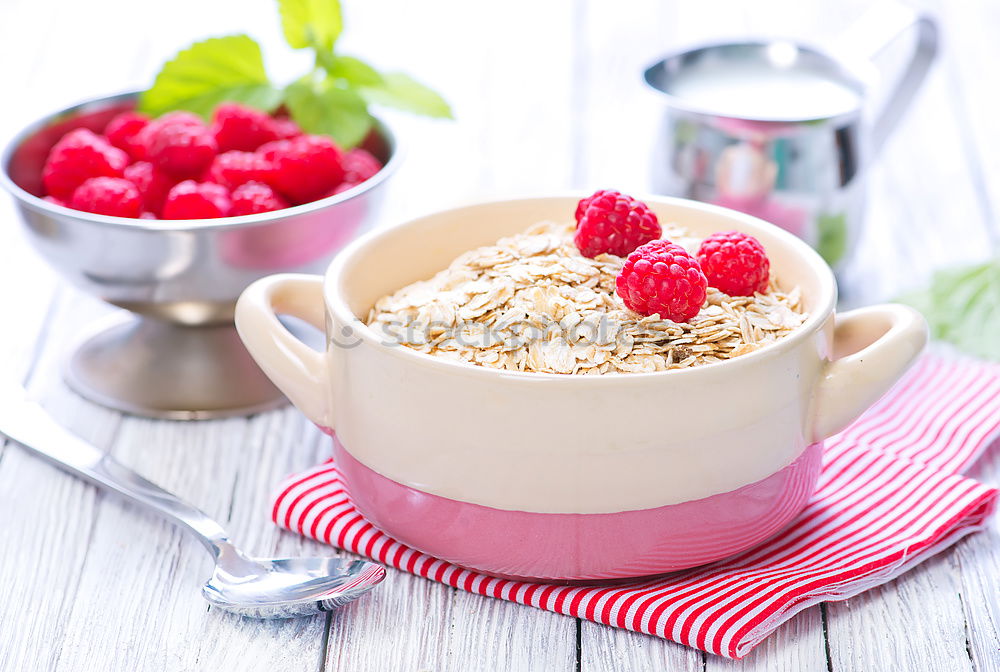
411, 623
402, 625
605, 648
977, 559
913, 623
797, 646
490, 634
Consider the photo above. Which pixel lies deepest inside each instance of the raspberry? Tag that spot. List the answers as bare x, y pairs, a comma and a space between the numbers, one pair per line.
179, 117
238, 127
233, 168
152, 183
269, 150
584, 203
359, 166
254, 197
196, 200
78, 156
307, 167
341, 188
735, 263
614, 223
176, 118
55, 201
108, 196
147, 215
286, 128
124, 130
661, 277
180, 146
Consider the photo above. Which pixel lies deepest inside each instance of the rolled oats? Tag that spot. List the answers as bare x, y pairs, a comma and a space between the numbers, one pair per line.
531, 302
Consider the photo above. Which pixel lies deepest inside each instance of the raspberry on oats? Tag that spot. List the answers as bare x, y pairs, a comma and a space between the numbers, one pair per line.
735, 263
614, 223
584, 203
660, 277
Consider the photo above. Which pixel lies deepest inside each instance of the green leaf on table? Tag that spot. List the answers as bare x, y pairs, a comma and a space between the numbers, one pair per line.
311, 23
208, 73
962, 306
352, 70
322, 108
405, 93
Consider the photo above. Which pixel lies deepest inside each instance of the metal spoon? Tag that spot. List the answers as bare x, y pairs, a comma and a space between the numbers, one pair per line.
257, 587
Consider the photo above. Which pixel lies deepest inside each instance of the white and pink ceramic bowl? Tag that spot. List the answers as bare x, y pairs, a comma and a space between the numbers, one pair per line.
571, 477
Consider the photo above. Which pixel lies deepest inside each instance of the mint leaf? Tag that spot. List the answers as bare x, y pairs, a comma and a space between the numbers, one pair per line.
352, 70
311, 23
208, 73
962, 306
403, 92
325, 109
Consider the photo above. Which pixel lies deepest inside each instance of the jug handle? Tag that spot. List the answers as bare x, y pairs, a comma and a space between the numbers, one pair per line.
878, 28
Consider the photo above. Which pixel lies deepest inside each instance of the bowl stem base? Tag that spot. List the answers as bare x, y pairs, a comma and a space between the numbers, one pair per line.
157, 369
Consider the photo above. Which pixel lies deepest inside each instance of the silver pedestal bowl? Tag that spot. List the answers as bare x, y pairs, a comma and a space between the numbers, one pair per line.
177, 355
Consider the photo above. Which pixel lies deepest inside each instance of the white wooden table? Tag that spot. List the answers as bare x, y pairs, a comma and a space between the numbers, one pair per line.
548, 97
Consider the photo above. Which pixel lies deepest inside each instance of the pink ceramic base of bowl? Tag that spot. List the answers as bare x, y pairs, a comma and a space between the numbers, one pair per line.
575, 547
578, 547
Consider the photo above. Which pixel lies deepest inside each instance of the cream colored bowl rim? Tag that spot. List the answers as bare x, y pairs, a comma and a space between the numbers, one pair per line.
828, 288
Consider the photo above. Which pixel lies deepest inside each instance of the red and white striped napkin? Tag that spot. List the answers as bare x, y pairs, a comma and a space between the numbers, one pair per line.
889, 497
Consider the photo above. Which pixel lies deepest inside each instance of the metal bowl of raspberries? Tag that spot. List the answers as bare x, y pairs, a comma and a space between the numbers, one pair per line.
171, 219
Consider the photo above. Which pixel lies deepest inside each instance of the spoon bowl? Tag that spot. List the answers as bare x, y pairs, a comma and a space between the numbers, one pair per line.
289, 587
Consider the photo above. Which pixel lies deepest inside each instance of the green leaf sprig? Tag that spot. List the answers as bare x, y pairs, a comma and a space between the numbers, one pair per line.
332, 99
962, 307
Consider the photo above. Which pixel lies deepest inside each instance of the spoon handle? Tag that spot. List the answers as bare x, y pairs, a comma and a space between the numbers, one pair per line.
29, 425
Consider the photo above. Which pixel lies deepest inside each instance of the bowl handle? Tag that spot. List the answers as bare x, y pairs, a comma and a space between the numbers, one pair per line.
873, 347
298, 370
